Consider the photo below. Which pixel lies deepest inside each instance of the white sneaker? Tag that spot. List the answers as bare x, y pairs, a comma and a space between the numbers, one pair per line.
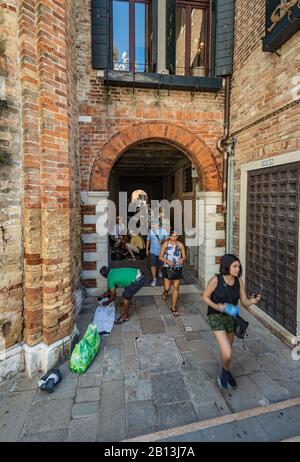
153, 283
160, 275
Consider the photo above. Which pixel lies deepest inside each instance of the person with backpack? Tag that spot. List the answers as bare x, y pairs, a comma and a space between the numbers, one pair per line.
173, 256
222, 294
156, 236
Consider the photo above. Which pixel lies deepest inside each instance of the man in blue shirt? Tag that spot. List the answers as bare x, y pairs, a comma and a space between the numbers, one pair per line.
156, 236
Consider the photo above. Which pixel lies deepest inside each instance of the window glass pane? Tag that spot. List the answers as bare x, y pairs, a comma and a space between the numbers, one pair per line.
142, 37
180, 40
121, 35
197, 60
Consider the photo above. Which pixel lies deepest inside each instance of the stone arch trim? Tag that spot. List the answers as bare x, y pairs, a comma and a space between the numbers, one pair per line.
177, 135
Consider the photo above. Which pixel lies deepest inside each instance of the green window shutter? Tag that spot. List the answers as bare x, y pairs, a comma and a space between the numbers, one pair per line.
154, 35
224, 37
171, 36
101, 34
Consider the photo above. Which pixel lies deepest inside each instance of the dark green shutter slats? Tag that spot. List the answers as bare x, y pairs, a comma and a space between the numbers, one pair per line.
171, 36
224, 37
101, 34
153, 66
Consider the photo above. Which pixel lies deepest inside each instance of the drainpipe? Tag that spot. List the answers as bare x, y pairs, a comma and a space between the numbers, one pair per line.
230, 194
222, 147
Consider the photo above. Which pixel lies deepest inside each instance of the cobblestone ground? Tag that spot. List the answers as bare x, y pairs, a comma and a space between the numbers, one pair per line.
152, 373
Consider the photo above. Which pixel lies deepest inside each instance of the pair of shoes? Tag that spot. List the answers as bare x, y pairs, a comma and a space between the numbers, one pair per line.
160, 275
132, 258
175, 312
165, 294
121, 320
153, 283
226, 380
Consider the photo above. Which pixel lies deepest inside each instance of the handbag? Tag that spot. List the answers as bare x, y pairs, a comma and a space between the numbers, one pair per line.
174, 272
240, 324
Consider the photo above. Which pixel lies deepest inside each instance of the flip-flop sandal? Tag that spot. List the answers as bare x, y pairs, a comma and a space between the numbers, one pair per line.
121, 320
165, 294
175, 313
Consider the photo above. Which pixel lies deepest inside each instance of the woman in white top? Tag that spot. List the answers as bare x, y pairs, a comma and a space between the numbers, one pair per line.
172, 255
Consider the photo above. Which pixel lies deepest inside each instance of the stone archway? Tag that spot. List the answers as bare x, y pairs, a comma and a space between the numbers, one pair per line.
177, 135
211, 244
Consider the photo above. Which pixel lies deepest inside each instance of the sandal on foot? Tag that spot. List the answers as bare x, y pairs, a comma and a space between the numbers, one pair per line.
175, 313
120, 320
165, 294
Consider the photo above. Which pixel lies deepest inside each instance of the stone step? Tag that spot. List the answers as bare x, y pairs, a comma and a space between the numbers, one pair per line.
194, 431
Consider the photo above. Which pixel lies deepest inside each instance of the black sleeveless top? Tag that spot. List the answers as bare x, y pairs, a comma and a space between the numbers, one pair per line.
224, 293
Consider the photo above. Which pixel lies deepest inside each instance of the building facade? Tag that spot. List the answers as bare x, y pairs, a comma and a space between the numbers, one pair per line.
102, 96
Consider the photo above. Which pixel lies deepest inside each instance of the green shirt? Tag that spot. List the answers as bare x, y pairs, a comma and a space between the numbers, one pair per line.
121, 277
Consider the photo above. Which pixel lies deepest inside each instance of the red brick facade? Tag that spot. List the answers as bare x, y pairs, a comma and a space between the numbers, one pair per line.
265, 113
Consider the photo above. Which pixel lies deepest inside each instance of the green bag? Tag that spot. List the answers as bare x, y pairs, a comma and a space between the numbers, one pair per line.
85, 351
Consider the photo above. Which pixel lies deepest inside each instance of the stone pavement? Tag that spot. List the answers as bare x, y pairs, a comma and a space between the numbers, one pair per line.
152, 373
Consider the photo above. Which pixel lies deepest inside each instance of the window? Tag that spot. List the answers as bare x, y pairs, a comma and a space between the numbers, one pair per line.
192, 38
132, 35
187, 182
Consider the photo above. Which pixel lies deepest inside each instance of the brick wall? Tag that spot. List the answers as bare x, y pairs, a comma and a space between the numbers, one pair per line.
114, 109
51, 186
263, 83
11, 260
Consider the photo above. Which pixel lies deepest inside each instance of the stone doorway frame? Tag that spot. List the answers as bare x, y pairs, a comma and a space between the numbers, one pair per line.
94, 201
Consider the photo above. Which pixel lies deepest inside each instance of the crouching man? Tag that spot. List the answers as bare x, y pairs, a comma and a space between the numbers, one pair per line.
131, 279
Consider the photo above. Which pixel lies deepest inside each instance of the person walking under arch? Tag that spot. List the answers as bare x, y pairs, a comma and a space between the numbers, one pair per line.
173, 256
222, 294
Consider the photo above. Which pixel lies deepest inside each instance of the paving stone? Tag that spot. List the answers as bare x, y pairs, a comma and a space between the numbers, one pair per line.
270, 388
281, 424
84, 429
13, 414
132, 334
195, 322
249, 362
23, 383
85, 395
247, 395
196, 437
85, 409
275, 368
293, 387
2, 398
149, 311
209, 369
6, 386
258, 347
66, 372
87, 381
114, 338
129, 346
132, 325
183, 344
141, 418
213, 398
144, 300
112, 363
202, 350
137, 386
176, 414
112, 412
158, 353
49, 415
193, 335
152, 326
64, 389
194, 383
55, 436
243, 431
130, 362
169, 388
